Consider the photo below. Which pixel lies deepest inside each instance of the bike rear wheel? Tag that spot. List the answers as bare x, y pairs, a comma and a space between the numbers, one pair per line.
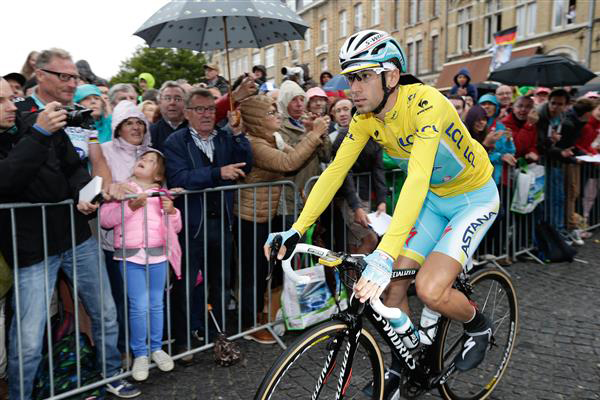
298, 371
494, 294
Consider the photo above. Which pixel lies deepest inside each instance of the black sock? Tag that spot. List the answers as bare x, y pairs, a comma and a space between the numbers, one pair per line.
476, 324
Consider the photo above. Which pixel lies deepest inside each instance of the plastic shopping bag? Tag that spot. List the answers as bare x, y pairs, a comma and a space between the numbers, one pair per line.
308, 304
529, 188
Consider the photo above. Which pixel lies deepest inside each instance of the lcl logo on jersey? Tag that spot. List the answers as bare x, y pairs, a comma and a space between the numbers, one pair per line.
456, 135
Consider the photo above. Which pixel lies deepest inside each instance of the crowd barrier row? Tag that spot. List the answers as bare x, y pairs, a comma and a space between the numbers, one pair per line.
512, 235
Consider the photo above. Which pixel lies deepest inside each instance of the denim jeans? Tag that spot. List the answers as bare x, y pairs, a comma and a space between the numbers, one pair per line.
32, 308
139, 291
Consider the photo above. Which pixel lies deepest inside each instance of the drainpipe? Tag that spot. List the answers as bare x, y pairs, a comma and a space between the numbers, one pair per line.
591, 31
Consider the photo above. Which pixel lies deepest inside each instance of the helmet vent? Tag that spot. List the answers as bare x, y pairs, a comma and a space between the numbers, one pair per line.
379, 47
368, 35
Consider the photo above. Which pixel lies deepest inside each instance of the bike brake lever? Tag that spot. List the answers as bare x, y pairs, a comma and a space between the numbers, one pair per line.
275, 246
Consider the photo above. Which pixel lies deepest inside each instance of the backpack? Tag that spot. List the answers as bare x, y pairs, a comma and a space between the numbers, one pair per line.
551, 245
65, 370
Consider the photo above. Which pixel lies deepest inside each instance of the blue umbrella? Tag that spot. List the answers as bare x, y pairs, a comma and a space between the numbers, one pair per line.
338, 82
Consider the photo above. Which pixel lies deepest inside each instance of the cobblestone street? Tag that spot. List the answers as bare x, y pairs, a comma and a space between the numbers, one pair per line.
557, 355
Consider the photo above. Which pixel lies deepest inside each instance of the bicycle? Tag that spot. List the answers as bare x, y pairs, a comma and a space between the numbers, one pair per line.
318, 365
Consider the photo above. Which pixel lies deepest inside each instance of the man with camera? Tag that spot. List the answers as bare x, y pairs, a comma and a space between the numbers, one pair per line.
57, 78
40, 165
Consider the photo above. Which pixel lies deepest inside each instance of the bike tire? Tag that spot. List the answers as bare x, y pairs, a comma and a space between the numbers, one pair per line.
295, 373
494, 294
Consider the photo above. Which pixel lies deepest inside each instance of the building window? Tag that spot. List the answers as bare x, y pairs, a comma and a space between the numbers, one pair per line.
270, 56
492, 21
256, 58
323, 64
343, 23
411, 58
307, 40
435, 56
564, 12
435, 8
420, 10
358, 15
526, 19
464, 30
412, 12
419, 56
375, 12
323, 32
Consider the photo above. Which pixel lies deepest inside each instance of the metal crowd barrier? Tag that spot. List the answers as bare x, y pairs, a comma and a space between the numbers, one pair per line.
512, 236
235, 328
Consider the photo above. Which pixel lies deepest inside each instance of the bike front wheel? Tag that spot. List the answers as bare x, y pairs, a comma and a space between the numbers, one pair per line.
494, 294
311, 367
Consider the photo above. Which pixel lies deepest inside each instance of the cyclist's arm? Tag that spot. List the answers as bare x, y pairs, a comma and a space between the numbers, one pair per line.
429, 125
332, 178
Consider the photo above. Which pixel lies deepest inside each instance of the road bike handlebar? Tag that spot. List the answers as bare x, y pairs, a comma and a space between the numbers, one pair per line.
286, 264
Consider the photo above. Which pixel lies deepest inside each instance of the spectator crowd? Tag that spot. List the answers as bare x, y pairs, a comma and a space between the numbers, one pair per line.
159, 149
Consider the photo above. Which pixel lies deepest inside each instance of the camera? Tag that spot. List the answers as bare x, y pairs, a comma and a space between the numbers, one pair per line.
294, 73
79, 116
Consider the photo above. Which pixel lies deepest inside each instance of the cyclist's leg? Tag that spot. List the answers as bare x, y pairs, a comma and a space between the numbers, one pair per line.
434, 287
471, 215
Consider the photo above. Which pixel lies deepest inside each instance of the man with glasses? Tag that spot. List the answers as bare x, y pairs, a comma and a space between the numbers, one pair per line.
57, 78
50, 170
200, 157
172, 118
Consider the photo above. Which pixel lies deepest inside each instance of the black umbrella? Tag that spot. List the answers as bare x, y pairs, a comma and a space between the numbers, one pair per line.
222, 24
542, 70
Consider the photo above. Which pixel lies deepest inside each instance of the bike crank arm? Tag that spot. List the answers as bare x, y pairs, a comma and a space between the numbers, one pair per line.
443, 377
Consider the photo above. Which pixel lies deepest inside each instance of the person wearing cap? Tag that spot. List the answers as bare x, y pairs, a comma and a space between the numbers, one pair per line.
90, 97
316, 101
213, 79
16, 82
540, 95
448, 186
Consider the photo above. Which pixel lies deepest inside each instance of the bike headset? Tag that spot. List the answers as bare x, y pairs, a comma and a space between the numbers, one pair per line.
373, 49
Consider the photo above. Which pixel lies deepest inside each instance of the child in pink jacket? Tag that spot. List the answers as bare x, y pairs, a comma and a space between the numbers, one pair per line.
146, 240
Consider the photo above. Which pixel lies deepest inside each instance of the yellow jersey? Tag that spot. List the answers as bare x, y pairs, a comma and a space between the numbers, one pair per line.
428, 140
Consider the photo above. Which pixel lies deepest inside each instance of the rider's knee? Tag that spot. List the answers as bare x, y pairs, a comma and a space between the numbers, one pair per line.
433, 296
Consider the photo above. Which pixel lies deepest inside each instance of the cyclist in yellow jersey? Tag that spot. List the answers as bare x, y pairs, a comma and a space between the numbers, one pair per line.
447, 203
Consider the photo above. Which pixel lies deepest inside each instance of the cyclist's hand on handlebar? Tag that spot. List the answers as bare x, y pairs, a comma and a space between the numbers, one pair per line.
375, 277
289, 240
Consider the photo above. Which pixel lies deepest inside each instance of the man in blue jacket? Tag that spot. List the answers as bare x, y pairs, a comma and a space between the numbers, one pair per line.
201, 157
